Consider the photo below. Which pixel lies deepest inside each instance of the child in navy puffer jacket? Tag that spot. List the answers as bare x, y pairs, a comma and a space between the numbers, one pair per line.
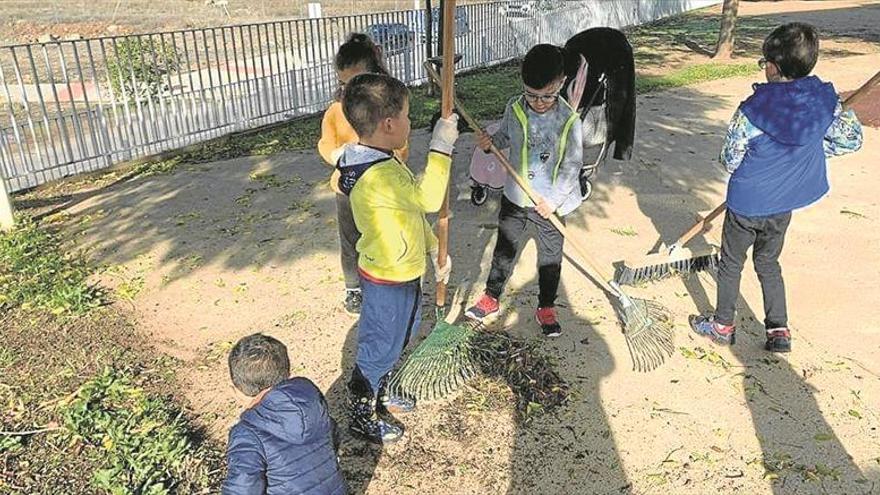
284, 442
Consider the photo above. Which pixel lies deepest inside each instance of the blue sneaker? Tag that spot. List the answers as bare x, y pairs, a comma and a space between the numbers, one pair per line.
708, 327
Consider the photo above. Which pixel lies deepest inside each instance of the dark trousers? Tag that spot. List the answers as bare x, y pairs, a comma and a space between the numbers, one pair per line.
348, 238
767, 235
512, 224
389, 319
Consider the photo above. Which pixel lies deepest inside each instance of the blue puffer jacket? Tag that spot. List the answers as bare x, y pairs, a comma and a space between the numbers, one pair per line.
284, 445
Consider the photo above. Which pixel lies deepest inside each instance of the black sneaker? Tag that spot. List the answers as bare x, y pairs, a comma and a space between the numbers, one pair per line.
778, 340
353, 301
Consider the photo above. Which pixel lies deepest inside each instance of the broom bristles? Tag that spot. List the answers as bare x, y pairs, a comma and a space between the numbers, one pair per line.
659, 266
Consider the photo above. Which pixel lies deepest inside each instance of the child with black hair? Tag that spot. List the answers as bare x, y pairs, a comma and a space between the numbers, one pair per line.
389, 204
285, 441
776, 151
545, 139
358, 55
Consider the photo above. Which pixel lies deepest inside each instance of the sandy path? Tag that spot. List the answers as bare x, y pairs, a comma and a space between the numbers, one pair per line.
229, 248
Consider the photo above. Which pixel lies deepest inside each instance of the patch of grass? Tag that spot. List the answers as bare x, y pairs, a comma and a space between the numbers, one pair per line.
37, 273
139, 443
701, 27
693, 75
118, 426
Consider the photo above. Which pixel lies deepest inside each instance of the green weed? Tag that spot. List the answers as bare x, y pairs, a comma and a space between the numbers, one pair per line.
37, 273
140, 443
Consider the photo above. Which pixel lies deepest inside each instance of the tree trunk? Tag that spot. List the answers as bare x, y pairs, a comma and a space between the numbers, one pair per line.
724, 48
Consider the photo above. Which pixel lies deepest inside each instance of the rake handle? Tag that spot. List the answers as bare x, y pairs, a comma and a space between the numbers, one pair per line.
701, 223
597, 273
447, 92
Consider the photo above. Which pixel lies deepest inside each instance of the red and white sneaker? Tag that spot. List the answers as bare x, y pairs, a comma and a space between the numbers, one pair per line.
484, 307
546, 317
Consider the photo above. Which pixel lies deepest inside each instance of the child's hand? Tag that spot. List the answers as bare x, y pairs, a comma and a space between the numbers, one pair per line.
544, 209
484, 140
445, 134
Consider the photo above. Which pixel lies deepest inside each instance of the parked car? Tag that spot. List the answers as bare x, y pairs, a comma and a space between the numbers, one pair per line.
393, 37
462, 25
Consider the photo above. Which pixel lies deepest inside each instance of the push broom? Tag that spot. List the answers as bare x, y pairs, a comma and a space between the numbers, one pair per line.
646, 324
676, 259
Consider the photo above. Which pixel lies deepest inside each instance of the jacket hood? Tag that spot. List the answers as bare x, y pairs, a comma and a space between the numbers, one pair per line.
355, 161
291, 411
794, 112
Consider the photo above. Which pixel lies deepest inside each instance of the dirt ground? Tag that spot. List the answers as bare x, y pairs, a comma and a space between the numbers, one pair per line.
217, 251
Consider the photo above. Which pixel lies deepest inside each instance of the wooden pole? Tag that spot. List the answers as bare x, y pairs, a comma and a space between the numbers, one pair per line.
446, 105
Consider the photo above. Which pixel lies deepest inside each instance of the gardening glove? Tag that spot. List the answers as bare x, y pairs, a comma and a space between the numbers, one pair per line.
445, 134
441, 274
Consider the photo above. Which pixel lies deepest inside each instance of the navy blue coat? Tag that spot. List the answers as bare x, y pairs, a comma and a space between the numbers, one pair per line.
284, 445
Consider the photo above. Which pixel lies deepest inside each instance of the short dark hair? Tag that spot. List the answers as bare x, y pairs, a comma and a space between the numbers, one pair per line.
793, 48
369, 99
542, 65
359, 49
258, 362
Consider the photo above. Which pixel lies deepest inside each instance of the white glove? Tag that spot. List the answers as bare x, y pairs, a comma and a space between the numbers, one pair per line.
441, 274
336, 154
445, 134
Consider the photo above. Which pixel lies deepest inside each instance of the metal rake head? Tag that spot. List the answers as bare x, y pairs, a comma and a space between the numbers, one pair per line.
648, 333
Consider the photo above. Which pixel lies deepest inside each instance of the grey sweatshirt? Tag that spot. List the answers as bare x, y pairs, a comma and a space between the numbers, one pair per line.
543, 154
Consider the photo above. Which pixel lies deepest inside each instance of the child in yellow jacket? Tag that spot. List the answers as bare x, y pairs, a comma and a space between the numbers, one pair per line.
358, 55
389, 205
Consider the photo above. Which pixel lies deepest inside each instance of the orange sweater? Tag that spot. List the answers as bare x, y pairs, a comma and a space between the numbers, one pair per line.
336, 131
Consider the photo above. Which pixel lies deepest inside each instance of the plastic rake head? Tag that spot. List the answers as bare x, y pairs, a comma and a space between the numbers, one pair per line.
440, 365
648, 332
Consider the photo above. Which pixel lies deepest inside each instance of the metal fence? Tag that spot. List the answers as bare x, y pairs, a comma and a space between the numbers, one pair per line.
82, 105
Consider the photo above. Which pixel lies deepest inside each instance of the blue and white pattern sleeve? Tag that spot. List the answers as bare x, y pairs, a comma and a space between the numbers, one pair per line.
739, 133
844, 135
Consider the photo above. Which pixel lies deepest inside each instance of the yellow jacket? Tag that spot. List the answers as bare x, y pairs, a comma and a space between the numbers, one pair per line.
336, 131
389, 204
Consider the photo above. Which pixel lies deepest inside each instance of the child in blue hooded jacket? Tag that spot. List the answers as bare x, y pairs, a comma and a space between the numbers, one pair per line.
776, 148
285, 442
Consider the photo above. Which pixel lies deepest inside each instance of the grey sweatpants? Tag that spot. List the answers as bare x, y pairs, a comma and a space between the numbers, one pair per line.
767, 235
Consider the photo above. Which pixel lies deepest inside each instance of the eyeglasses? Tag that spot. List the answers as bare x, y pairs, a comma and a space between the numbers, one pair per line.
762, 63
543, 98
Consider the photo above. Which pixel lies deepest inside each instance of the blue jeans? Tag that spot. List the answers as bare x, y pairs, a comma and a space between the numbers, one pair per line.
390, 318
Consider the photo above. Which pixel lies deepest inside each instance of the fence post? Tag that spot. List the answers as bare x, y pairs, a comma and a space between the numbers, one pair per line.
7, 219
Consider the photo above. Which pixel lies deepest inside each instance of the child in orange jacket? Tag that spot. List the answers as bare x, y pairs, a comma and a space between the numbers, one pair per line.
358, 55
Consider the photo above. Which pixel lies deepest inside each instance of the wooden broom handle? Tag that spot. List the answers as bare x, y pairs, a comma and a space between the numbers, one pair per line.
446, 98
701, 223
597, 273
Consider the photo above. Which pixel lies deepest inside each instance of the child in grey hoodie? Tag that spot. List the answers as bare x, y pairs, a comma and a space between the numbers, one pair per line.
546, 147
